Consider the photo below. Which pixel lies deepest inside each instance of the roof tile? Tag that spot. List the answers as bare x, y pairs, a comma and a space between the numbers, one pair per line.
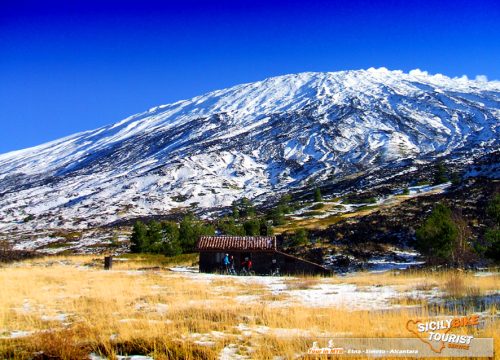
237, 243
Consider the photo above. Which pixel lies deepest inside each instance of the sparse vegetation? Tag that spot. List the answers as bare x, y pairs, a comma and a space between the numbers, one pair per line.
360, 200
299, 237
163, 314
318, 206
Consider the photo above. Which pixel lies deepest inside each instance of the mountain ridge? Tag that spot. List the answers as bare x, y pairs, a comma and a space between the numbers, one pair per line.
250, 140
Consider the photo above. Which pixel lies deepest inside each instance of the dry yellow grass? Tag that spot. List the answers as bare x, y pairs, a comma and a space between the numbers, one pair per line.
73, 310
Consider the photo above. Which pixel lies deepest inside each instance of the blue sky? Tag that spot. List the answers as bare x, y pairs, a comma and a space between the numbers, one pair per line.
69, 66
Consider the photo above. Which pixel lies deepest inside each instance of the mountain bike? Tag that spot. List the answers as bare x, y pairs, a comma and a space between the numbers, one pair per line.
275, 272
245, 272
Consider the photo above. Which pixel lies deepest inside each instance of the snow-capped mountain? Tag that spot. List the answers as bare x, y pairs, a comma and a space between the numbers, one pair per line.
248, 140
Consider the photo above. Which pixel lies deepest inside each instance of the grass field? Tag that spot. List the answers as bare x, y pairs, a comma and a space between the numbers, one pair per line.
69, 308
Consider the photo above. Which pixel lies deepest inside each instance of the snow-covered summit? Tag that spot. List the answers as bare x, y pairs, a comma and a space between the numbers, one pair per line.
249, 140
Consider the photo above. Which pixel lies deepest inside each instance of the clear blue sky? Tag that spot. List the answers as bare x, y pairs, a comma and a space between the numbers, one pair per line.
73, 65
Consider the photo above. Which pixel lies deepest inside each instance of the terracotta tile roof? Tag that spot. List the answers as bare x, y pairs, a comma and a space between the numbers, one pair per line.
237, 243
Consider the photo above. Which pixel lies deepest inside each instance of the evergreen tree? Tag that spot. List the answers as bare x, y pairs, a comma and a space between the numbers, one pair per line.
492, 235
190, 230
317, 195
236, 210
139, 240
246, 208
154, 236
229, 227
284, 204
440, 176
493, 209
252, 227
437, 235
171, 242
492, 239
277, 215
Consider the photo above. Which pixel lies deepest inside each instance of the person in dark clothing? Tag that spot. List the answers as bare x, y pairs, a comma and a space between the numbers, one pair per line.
232, 271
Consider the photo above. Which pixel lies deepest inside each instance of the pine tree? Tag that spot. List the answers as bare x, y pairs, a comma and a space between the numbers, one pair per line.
317, 195
139, 240
171, 242
440, 176
190, 230
252, 227
437, 235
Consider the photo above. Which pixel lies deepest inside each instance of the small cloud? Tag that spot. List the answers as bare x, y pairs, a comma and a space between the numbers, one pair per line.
481, 78
418, 72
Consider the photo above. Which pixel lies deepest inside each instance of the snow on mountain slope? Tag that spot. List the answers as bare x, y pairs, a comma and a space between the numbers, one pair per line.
248, 140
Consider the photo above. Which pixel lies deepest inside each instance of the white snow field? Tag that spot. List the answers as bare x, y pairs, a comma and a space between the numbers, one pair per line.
252, 140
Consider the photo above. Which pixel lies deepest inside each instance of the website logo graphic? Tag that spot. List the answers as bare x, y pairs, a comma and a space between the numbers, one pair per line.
441, 334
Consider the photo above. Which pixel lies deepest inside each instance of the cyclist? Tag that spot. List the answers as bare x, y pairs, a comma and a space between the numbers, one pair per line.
231, 266
246, 266
226, 262
275, 270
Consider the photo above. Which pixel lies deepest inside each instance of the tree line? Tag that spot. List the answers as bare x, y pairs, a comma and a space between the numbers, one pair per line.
173, 238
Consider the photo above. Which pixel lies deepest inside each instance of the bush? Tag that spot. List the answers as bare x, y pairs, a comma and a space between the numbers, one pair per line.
317, 206
361, 200
406, 191
300, 237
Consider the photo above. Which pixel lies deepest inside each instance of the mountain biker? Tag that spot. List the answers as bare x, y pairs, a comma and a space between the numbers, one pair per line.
226, 263
246, 266
274, 267
231, 265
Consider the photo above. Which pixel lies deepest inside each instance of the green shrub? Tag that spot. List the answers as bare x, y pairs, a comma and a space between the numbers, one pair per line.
300, 237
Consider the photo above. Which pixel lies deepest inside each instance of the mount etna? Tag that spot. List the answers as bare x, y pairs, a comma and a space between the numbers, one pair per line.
372, 131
